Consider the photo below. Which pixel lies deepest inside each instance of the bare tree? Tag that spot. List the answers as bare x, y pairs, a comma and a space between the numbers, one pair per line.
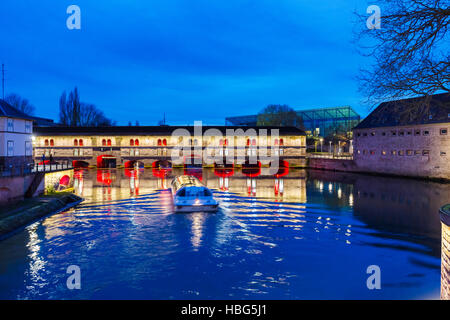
20, 103
410, 51
279, 115
72, 112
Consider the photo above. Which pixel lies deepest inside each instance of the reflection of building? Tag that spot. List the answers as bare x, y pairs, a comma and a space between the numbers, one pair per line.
445, 253
406, 137
115, 146
321, 121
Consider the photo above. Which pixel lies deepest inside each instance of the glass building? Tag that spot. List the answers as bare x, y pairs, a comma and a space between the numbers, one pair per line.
320, 122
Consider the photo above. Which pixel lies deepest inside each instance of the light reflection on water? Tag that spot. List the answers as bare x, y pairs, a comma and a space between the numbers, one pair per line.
308, 234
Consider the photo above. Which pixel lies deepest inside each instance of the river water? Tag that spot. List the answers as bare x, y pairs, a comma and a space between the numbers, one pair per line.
302, 235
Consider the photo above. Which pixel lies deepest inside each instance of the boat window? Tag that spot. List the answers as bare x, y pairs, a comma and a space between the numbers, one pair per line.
207, 193
181, 193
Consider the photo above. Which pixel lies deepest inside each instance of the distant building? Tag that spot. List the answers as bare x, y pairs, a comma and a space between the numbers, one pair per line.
320, 122
153, 145
406, 137
16, 130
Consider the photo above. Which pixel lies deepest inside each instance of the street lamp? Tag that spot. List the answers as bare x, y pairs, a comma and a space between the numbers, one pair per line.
330, 146
321, 144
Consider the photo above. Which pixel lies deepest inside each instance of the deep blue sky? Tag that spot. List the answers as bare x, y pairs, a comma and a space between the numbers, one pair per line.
197, 59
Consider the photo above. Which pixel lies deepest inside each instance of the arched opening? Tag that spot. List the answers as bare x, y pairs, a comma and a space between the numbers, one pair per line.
162, 164
136, 142
80, 142
46, 142
106, 161
80, 164
132, 164
109, 142
164, 142
283, 169
75, 142
159, 142
104, 142
251, 170
131, 142
52, 143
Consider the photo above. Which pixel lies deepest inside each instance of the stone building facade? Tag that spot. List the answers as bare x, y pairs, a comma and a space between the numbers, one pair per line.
148, 145
407, 137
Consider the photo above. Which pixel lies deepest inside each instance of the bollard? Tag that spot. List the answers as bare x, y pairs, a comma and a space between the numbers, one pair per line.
445, 252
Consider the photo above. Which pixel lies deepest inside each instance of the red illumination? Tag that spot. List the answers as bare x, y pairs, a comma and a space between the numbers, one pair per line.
283, 169
281, 142
165, 142
223, 173
104, 142
136, 142
109, 142
52, 143
254, 142
75, 142
159, 142
131, 142
81, 142
46, 142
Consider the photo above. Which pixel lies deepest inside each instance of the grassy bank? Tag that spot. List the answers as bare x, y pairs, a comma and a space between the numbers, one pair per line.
15, 216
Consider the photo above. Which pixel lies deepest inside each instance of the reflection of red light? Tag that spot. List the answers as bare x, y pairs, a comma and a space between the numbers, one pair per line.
78, 174
44, 162
283, 169
223, 173
79, 164
132, 172
196, 172
104, 176
251, 170
161, 173
100, 160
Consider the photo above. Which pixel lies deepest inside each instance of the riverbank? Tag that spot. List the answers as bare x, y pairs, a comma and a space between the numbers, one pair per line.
13, 217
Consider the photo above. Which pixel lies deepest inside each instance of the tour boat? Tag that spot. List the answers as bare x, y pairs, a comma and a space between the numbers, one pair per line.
190, 195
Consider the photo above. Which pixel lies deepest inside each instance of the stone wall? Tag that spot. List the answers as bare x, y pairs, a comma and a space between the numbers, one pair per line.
14, 188
332, 164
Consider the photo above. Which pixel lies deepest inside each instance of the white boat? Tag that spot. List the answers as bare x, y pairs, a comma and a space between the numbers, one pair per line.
190, 195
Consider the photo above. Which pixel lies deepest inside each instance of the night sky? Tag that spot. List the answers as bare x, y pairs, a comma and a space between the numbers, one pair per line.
195, 60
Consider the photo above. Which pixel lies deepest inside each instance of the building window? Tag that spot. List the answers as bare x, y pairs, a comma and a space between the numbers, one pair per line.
417, 152
443, 132
401, 133
75, 152
10, 148
164, 142
372, 152
409, 152
358, 151
104, 142
46, 142
359, 135
364, 151
28, 127
383, 134
52, 143
426, 133
417, 132
28, 148
401, 153
109, 142
131, 142
365, 134
409, 133
75, 142
372, 133
159, 142
443, 153
393, 152
425, 152
281, 142
394, 133
10, 125
136, 142
383, 152
81, 142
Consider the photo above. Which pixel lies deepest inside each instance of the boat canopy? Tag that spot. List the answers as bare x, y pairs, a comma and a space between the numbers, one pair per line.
189, 186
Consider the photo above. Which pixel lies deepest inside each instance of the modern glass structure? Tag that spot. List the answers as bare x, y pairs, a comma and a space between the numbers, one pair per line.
320, 121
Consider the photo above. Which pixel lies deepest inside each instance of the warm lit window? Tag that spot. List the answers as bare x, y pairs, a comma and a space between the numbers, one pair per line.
131, 142
281, 142
75, 142
401, 153
248, 142
417, 152
81, 142
104, 142
109, 142
358, 151
443, 131
46, 142
159, 142
164, 142
409, 152
372, 133
393, 152
136, 142
383, 152
52, 143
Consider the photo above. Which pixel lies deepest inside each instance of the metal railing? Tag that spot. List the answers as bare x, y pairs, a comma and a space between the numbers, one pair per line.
30, 168
345, 156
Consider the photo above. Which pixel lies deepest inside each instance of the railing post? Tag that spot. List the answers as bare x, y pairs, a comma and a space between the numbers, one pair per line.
445, 252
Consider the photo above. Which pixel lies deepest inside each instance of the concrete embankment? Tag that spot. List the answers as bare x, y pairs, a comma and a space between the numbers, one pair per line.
333, 164
16, 216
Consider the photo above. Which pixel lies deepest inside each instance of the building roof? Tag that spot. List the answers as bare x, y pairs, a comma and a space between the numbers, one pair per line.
413, 111
151, 130
7, 110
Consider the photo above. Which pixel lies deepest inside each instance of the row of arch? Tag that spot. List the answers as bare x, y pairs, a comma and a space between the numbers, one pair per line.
161, 142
